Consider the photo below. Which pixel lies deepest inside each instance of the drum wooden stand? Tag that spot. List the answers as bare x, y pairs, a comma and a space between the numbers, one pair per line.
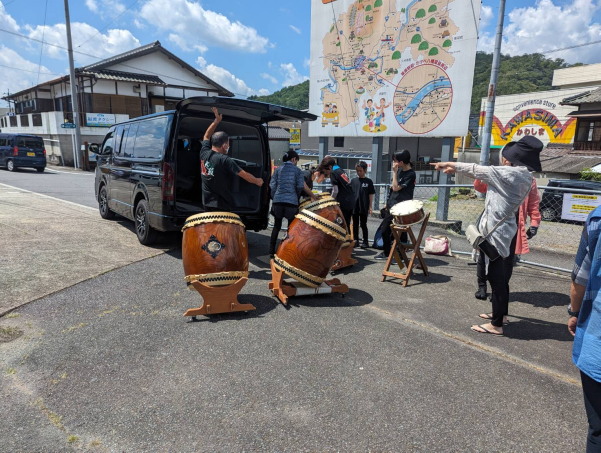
283, 289
219, 299
399, 251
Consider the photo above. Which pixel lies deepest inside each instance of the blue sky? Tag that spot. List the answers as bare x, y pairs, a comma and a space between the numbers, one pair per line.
250, 47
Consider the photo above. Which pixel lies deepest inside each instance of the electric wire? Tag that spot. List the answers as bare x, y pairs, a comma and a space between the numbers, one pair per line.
42, 45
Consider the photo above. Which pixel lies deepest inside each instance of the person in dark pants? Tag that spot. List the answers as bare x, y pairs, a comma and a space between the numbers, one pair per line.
585, 324
402, 188
508, 186
287, 183
364, 194
341, 189
217, 169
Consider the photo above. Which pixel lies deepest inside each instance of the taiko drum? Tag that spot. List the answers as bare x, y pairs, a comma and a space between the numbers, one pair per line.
326, 207
214, 248
310, 248
408, 212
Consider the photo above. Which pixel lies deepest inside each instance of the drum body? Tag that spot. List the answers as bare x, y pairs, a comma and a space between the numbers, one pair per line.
310, 248
408, 212
326, 207
214, 248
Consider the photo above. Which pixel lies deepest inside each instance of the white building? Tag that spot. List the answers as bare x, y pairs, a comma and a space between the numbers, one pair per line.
145, 80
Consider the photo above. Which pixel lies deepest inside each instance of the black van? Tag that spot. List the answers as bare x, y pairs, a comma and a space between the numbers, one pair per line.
551, 203
22, 150
148, 168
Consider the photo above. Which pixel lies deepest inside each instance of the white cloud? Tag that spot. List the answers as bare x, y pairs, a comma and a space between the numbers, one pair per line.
295, 29
106, 8
89, 44
228, 80
269, 77
19, 73
548, 27
486, 15
7, 21
193, 26
292, 77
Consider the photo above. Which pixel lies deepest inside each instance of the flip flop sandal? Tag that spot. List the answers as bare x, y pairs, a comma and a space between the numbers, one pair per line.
485, 330
488, 316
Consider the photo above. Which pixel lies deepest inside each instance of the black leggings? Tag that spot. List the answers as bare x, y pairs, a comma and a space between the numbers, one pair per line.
387, 234
280, 211
592, 403
360, 219
499, 274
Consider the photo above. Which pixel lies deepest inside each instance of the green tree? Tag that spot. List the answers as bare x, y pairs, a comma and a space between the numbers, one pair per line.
295, 96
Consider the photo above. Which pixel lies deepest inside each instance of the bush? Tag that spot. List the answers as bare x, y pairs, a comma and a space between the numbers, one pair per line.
589, 175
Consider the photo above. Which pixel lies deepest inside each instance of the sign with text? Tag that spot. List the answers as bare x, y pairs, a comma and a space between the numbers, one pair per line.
578, 206
68, 126
100, 119
295, 134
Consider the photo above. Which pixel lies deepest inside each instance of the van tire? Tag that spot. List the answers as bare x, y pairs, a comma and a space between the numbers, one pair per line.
548, 214
10, 165
145, 233
103, 205
40, 169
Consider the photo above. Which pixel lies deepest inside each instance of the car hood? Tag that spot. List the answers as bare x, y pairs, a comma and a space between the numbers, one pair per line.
252, 111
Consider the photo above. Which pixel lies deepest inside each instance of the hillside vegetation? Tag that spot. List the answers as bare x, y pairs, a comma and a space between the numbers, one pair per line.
520, 74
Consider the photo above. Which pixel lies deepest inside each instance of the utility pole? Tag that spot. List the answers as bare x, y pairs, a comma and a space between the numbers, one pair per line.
492, 88
74, 98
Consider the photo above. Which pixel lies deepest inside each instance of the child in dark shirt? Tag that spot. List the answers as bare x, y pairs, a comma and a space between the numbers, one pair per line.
364, 191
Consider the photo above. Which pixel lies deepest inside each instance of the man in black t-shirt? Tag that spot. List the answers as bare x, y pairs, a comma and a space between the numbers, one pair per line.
342, 191
217, 169
402, 188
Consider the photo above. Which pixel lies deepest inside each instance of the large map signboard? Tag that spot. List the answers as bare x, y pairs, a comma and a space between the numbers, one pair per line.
392, 67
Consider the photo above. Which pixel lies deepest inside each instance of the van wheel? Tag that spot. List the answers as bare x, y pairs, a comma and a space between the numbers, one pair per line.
10, 165
103, 204
143, 231
548, 214
40, 169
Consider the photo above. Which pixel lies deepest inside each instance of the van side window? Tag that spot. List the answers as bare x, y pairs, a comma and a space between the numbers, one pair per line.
150, 139
129, 140
3, 141
109, 144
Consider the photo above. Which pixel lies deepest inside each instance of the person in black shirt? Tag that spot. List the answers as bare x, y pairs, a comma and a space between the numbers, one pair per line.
341, 189
217, 169
403, 185
364, 194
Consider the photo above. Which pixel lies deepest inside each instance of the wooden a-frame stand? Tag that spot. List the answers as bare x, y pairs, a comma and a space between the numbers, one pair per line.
283, 289
219, 299
399, 251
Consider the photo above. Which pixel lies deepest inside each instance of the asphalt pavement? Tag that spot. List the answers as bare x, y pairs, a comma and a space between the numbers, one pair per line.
108, 362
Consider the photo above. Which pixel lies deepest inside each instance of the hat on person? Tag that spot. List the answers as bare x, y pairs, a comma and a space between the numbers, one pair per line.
525, 152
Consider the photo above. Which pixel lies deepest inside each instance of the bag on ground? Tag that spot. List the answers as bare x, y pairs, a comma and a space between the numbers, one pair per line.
438, 245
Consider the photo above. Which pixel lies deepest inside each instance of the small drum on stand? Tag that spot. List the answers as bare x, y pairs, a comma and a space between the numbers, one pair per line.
215, 259
408, 212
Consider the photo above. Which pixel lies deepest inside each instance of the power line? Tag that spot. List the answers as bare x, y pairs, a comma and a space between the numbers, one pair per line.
27, 70
42, 46
99, 31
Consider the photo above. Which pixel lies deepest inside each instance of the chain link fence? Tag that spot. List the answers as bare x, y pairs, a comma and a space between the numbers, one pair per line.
555, 245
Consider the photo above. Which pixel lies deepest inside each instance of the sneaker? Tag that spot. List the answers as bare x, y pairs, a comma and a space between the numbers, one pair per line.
365, 245
481, 294
380, 256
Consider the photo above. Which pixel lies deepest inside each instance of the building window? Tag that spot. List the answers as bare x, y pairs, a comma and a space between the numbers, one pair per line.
36, 119
24, 121
13, 121
588, 131
338, 142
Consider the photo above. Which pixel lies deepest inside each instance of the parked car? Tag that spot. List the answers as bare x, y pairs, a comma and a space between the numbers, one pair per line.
148, 168
22, 150
551, 203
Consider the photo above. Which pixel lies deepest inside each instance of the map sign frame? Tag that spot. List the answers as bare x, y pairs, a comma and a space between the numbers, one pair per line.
400, 68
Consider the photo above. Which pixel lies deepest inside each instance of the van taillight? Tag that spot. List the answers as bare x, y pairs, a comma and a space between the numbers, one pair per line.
168, 182
15, 151
44, 151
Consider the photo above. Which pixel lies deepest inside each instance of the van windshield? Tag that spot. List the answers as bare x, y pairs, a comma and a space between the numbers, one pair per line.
30, 142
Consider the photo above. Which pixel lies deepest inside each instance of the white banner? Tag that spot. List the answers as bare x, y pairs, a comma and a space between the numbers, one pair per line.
578, 206
392, 67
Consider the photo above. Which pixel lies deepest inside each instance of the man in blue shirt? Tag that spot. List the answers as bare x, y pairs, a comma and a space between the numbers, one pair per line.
585, 324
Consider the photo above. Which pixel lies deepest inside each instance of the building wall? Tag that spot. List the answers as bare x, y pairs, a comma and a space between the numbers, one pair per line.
578, 76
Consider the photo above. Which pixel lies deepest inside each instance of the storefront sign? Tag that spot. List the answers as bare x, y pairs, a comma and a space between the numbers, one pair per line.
295, 135
100, 119
578, 206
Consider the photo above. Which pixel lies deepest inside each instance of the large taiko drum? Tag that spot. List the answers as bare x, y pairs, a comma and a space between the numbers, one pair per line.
408, 212
214, 248
326, 207
310, 248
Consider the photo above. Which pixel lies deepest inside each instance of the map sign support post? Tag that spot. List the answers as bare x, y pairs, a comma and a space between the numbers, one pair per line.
323, 148
377, 147
442, 206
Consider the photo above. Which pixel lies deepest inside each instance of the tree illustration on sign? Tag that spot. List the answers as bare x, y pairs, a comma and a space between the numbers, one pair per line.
421, 13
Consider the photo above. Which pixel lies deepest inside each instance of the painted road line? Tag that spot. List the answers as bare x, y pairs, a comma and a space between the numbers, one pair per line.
48, 196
